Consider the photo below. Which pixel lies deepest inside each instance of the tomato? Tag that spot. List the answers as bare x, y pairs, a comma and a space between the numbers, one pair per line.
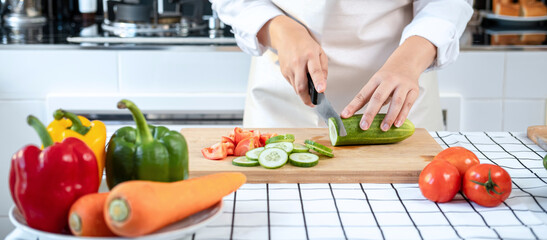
460, 157
240, 134
216, 152
264, 137
245, 145
439, 181
486, 184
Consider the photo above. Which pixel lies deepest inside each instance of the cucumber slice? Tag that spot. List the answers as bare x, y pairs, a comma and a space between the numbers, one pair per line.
244, 162
273, 158
320, 150
317, 145
253, 153
303, 159
287, 146
299, 148
281, 138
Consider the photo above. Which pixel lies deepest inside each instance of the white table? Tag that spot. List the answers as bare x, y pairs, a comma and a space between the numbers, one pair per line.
392, 211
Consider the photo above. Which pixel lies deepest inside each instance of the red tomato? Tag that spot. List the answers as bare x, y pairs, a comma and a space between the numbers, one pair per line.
245, 145
225, 139
460, 157
240, 134
439, 181
264, 137
486, 184
216, 152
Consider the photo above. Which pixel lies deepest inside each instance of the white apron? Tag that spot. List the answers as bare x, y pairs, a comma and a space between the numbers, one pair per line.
358, 36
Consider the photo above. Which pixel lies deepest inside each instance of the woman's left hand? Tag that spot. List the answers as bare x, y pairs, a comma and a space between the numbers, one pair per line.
397, 89
395, 83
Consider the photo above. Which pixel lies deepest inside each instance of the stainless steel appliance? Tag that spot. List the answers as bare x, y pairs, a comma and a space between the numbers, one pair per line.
153, 18
22, 13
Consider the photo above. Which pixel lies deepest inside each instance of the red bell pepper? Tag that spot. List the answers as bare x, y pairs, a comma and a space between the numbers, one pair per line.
44, 184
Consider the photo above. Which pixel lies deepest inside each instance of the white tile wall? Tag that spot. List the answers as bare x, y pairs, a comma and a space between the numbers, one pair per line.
526, 75
520, 114
32, 74
481, 115
474, 75
176, 72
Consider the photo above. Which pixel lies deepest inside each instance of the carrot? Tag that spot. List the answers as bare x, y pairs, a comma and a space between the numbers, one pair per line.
135, 208
86, 216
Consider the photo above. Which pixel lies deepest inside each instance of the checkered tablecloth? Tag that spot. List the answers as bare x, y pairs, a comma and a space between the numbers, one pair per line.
395, 211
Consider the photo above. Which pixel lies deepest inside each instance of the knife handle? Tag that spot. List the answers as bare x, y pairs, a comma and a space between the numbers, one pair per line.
311, 90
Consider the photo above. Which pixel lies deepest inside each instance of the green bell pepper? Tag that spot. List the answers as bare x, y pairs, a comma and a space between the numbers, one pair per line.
147, 153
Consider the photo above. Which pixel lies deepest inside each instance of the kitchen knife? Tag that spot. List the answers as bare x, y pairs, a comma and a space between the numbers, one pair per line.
324, 108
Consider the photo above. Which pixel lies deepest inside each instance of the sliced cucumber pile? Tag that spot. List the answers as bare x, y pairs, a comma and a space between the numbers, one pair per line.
282, 149
272, 158
299, 148
281, 138
287, 146
244, 162
303, 159
253, 153
321, 149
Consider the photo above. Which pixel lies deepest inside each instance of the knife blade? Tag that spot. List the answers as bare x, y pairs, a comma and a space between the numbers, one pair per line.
323, 107
542, 142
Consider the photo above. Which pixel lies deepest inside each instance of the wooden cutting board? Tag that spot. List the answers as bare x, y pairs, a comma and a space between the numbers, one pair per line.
391, 163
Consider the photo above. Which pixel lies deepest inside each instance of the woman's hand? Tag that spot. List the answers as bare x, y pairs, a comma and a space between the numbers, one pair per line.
298, 54
395, 83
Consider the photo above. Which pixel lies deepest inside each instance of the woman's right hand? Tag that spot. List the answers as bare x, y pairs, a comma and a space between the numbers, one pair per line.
298, 54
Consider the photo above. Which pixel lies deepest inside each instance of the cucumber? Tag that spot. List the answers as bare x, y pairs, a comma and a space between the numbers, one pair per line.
281, 138
320, 150
253, 153
244, 162
299, 148
545, 162
273, 158
374, 135
317, 145
303, 159
287, 146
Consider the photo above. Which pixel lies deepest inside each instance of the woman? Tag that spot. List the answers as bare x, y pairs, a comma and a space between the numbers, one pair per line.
362, 54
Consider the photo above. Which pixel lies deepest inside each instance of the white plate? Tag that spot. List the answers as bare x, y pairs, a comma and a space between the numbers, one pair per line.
176, 230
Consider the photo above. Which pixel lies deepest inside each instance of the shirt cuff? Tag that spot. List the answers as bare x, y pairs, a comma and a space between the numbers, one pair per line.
439, 32
247, 25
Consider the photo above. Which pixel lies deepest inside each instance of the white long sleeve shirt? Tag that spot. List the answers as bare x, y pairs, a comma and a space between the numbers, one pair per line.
442, 22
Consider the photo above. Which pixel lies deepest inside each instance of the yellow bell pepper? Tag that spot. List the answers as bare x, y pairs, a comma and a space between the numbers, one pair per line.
93, 133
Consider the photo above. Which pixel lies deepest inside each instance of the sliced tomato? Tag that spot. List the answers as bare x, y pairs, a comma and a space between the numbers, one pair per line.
216, 152
240, 134
229, 148
264, 137
245, 145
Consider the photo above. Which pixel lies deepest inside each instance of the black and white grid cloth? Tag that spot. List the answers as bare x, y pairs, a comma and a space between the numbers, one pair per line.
395, 211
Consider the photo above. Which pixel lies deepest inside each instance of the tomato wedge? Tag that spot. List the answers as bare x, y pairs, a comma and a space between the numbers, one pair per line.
240, 134
216, 152
245, 145
264, 137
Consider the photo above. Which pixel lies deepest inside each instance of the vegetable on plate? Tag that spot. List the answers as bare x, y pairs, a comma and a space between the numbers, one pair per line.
374, 135
487, 184
136, 208
86, 217
44, 184
146, 153
92, 133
